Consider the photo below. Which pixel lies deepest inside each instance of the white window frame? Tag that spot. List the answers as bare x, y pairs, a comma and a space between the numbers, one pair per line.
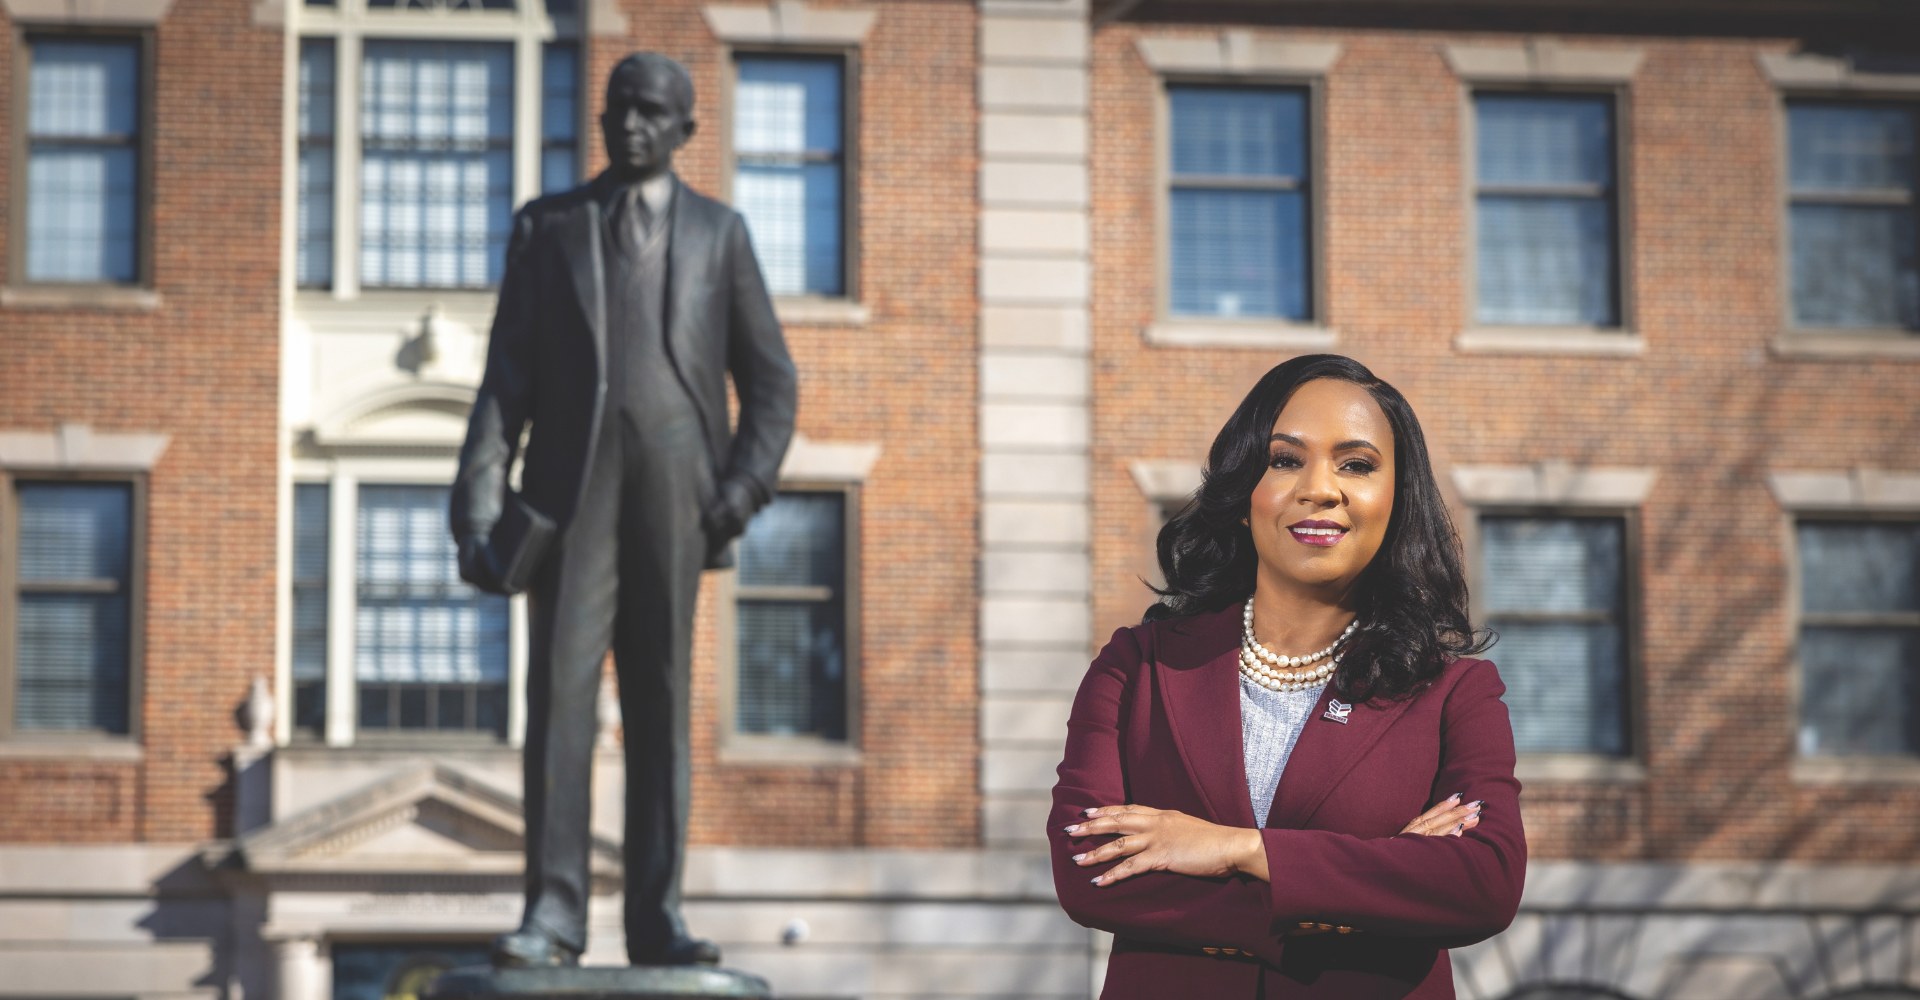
343, 476
350, 24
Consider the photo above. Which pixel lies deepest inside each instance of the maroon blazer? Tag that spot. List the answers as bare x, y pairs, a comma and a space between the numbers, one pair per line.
1157, 722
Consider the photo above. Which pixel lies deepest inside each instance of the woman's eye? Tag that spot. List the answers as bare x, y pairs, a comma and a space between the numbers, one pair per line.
1358, 465
1283, 461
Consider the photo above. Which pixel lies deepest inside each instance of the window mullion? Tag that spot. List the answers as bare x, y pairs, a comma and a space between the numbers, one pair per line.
342, 610
527, 128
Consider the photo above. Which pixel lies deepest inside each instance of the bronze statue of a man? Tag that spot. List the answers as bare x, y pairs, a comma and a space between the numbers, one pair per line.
626, 304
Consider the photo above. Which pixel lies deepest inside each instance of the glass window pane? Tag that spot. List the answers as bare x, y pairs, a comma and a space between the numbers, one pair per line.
1855, 567
1858, 691
1566, 686
1544, 564
80, 212
437, 163
793, 213
72, 658
1850, 147
310, 544
83, 88
1244, 132
417, 623
74, 531
1546, 261
559, 93
313, 223
791, 652
1531, 139
798, 540
1854, 266
558, 169
788, 135
1238, 253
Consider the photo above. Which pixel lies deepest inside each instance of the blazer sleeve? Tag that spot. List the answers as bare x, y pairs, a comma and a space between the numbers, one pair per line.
1156, 907
502, 406
1456, 890
763, 373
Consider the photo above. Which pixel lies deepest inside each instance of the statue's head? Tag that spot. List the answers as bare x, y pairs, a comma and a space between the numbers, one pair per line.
649, 114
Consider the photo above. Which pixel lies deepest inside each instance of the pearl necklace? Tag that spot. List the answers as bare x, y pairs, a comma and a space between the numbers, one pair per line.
1281, 673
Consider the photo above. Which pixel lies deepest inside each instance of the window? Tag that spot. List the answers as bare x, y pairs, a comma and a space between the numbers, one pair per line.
1547, 227
559, 118
74, 649
310, 554
313, 225
1554, 589
436, 168
428, 651
419, 129
1238, 210
1851, 170
792, 631
83, 160
789, 182
1859, 638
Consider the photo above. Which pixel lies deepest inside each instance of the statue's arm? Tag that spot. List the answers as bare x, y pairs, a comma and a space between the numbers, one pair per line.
500, 407
763, 375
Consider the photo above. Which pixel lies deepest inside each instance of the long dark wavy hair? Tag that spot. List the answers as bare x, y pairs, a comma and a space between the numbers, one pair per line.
1412, 598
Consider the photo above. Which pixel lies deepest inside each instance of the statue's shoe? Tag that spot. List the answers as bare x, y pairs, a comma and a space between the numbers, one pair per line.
680, 951
531, 948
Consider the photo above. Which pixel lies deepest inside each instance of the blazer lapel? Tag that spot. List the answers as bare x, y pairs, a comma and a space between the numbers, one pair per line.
687, 249
1326, 751
586, 262
1199, 680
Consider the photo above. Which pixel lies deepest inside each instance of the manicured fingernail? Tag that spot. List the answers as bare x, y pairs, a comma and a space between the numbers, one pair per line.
1455, 797
1090, 811
1476, 807
1073, 828
1458, 827
1079, 857
1096, 879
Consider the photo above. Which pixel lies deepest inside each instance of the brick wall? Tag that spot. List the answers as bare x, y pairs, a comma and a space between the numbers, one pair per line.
203, 367
1708, 405
905, 380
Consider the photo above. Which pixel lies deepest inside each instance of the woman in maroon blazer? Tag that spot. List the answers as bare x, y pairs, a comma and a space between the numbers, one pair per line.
1240, 768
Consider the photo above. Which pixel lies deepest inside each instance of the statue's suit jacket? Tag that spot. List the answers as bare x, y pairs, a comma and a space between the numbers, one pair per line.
1157, 722
546, 361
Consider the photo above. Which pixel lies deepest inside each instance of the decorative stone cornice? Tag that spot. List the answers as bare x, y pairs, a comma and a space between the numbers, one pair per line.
76, 447
1543, 60
1861, 489
1237, 52
1553, 483
1808, 71
131, 13
788, 22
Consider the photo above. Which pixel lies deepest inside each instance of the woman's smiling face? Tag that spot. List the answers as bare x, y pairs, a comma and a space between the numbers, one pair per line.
1320, 513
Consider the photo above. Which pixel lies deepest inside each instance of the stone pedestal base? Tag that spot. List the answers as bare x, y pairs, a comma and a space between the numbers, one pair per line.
596, 982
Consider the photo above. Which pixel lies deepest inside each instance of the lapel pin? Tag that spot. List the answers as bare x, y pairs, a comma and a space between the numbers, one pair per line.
1337, 711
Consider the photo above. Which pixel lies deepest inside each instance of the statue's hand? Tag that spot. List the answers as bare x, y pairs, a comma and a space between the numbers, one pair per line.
474, 567
726, 517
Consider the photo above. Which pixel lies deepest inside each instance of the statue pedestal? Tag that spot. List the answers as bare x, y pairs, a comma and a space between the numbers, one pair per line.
596, 982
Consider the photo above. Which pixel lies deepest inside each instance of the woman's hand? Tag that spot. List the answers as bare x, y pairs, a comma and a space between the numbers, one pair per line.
1450, 818
1151, 840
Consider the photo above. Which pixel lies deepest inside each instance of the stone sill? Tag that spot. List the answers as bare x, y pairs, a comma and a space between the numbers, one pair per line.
794, 751
1242, 334
1550, 340
1579, 769
1848, 345
77, 750
121, 298
807, 311
1856, 771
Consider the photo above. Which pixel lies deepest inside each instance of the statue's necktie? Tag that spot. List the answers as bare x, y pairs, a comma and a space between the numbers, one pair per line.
637, 223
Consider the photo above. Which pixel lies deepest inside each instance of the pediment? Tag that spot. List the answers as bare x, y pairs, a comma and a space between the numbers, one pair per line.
427, 818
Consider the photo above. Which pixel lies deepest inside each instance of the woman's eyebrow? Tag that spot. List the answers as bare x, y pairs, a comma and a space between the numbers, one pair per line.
1342, 446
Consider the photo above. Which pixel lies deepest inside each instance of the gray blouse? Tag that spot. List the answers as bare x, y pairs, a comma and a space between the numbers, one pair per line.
1270, 724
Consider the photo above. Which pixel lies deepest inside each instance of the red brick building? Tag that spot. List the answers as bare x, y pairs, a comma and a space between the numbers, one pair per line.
1647, 274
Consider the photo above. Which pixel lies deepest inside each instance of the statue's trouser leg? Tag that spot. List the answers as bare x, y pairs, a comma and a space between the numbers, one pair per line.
662, 550
571, 618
